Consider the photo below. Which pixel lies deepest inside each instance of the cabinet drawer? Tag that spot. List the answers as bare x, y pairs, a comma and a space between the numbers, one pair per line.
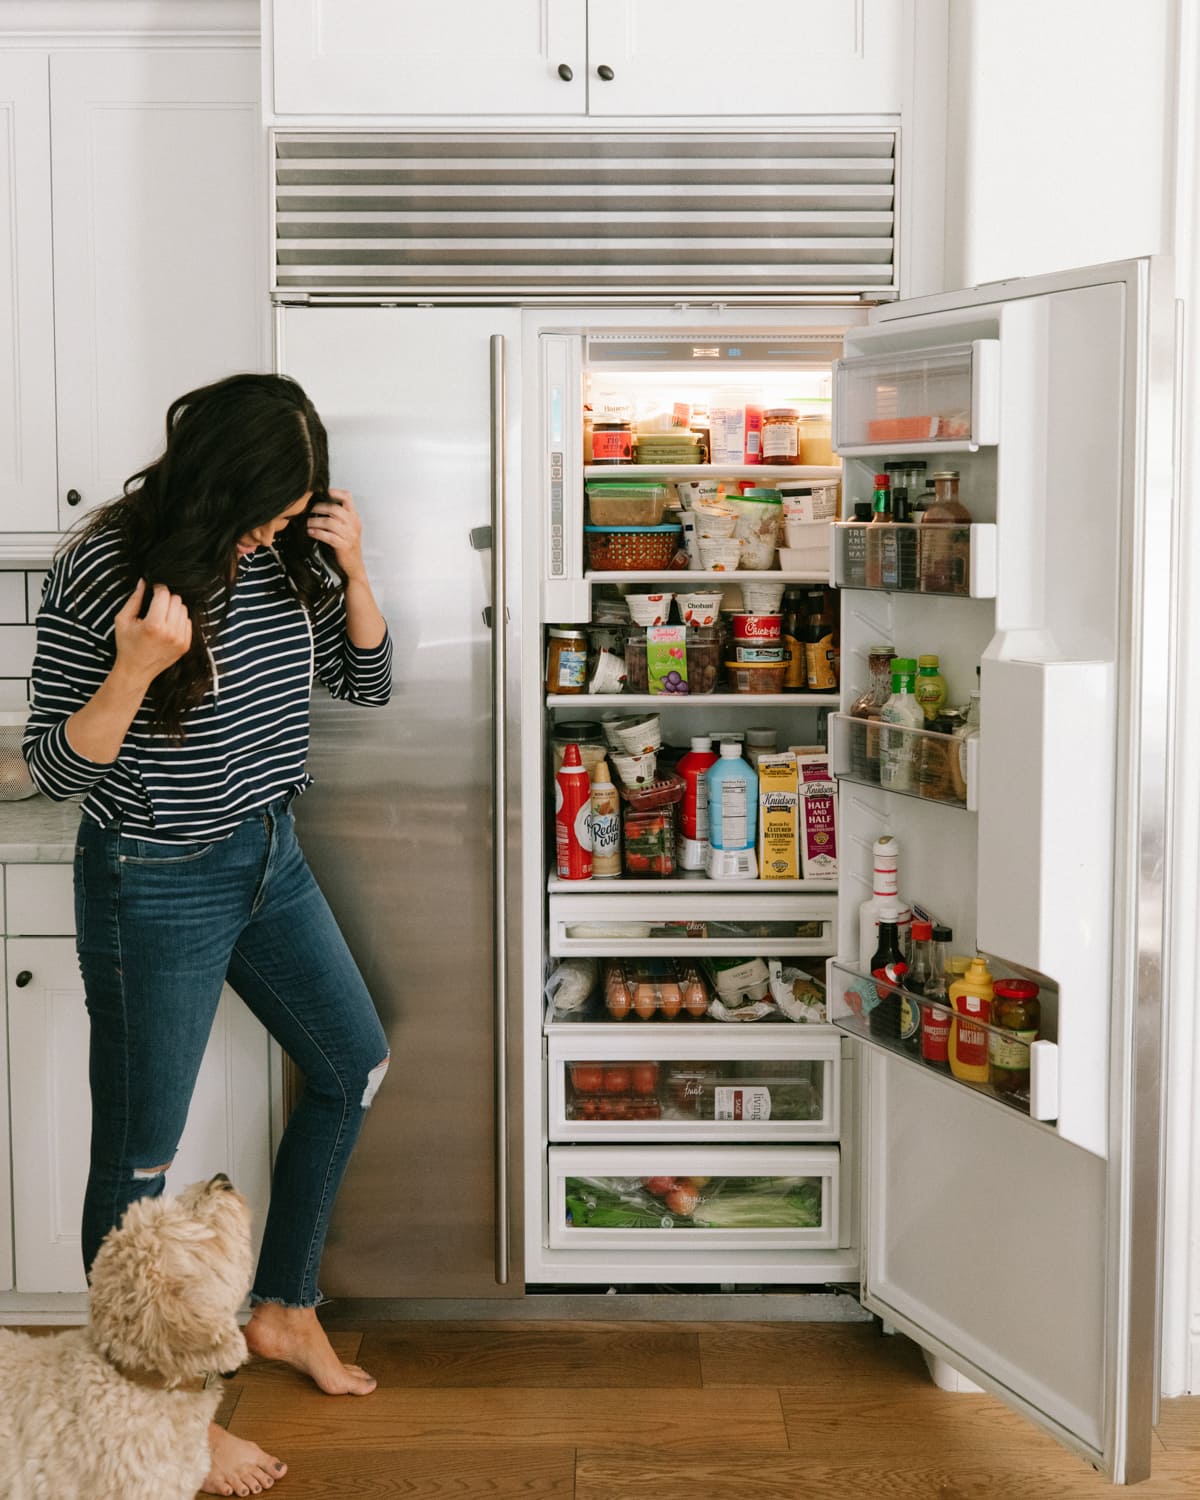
741, 1087
39, 901
757, 925
693, 1198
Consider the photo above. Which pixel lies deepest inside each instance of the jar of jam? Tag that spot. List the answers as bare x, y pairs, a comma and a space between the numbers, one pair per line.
566, 659
1015, 1009
612, 441
780, 435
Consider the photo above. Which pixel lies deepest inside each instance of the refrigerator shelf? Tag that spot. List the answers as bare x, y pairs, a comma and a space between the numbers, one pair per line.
936, 768
778, 472
967, 567
695, 880
850, 992
594, 1021
672, 700
611, 924
700, 575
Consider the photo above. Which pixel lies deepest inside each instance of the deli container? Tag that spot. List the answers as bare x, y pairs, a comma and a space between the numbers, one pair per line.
756, 677
616, 504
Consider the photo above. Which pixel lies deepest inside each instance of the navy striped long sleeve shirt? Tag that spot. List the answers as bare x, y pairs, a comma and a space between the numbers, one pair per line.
244, 745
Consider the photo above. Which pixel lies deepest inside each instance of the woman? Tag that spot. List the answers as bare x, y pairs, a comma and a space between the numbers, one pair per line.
178, 638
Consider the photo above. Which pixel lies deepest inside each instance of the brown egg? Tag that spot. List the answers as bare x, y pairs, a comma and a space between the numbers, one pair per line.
671, 1000
645, 1001
618, 1002
695, 999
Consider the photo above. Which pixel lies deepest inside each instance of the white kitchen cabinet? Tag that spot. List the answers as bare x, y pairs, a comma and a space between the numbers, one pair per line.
586, 57
28, 473
228, 1124
160, 273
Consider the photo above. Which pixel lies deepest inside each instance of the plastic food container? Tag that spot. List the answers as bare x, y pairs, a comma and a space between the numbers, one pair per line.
649, 609
756, 677
615, 549
700, 609
759, 513
810, 539
587, 736
720, 554
639, 735
616, 504
714, 520
634, 770
15, 780
668, 990
761, 598
703, 646
648, 847
665, 448
754, 628
663, 791
614, 1091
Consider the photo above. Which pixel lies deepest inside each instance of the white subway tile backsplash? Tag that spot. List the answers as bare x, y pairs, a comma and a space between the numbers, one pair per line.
16, 650
33, 592
12, 598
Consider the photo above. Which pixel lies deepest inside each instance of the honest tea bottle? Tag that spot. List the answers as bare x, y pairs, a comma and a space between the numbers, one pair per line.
732, 815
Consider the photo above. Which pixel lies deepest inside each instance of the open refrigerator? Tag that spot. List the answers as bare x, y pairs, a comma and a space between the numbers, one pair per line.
1014, 1237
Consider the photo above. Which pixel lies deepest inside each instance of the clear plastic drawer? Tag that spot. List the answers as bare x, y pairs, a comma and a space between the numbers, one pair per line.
754, 925
945, 398
736, 1088
693, 1198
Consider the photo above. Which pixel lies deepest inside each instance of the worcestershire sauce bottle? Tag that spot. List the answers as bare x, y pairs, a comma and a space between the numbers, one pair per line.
895, 1018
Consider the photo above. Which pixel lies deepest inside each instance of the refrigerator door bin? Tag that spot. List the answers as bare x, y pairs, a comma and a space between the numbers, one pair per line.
932, 400
921, 763
1016, 1069
955, 562
693, 1198
650, 1087
754, 925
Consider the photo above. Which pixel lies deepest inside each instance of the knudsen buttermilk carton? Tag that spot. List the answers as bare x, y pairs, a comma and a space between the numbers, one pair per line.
778, 817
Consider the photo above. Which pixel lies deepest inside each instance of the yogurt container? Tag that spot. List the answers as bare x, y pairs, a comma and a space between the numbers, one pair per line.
720, 554
760, 598
649, 609
641, 735
700, 608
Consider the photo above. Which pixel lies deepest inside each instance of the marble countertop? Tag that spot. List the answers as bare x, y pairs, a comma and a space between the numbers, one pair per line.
38, 831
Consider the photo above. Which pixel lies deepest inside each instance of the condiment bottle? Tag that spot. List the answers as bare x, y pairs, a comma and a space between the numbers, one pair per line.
1017, 1009
820, 650
606, 825
885, 863
573, 818
693, 851
935, 1019
877, 543
781, 435
930, 687
946, 552
895, 1017
970, 1003
898, 747
795, 677
864, 744
854, 545
919, 978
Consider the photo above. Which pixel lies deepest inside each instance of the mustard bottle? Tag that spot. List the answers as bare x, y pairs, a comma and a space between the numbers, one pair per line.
971, 1001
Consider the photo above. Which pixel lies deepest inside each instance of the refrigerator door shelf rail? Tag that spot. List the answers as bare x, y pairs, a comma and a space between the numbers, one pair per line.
778, 473
941, 769
854, 998
861, 560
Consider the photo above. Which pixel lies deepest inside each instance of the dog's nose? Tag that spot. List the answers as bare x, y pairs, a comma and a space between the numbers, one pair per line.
222, 1182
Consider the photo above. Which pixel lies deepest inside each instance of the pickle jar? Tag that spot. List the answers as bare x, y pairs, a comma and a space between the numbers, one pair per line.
1017, 1010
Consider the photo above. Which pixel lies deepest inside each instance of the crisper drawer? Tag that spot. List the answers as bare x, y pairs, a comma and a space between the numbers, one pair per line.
744, 1087
694, 1198
922, 400
633, 926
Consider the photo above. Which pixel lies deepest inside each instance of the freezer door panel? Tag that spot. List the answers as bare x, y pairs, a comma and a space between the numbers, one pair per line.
397, 827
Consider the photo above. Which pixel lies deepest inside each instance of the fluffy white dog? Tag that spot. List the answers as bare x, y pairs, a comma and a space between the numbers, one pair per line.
119, 1410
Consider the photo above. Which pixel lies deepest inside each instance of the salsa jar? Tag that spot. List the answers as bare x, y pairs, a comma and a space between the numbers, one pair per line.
781, 435
1015, 1009
566, 660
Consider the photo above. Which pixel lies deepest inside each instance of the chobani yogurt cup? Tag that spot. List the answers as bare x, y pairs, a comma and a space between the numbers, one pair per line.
700, 608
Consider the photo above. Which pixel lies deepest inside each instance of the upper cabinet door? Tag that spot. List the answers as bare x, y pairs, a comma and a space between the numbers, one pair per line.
812, 57
27, 468
160, 270
460, 57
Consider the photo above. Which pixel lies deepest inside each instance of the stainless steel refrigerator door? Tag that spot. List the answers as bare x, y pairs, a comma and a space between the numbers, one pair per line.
398, 827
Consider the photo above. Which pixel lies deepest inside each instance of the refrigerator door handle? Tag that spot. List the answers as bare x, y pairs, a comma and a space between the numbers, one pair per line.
498, 622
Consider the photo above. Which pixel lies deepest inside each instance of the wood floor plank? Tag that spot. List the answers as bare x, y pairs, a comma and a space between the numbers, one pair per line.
1179, 1426
796, 1353
626, 1474
545, 1355
430, 1474
666, 1419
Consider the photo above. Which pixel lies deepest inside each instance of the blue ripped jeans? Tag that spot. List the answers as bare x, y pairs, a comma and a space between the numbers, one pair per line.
159, 929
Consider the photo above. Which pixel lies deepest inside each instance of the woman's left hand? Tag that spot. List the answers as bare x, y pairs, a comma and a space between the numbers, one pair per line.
336, 523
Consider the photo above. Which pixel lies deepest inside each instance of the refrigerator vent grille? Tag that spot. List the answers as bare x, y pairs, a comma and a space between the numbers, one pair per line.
535, 218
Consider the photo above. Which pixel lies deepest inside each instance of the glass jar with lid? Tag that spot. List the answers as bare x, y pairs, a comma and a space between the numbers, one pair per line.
780, 435
566, 659
945, 539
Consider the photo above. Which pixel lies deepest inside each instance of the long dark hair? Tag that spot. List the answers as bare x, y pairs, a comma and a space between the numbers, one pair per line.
239, 453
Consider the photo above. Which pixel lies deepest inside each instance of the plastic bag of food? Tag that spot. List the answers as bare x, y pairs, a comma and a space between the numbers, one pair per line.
570, 985
753, 1012
798, 995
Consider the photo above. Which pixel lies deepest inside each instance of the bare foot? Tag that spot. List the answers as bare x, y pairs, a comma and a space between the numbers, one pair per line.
238, 1467
294, 1335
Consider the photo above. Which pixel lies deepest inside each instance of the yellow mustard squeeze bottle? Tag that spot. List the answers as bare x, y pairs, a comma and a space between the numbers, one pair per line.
971, 1002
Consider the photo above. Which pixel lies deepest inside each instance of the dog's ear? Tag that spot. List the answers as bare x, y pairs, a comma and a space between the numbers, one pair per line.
187, 1231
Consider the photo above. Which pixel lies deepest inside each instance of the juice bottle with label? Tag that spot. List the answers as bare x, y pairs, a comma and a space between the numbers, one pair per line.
693, 849
971, 1002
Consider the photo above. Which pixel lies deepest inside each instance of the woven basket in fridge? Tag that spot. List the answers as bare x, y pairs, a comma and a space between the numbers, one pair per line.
15, 780
613, 549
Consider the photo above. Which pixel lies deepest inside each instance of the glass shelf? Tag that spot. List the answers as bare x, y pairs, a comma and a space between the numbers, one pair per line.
1001, 1062
779, 472
695, 700
941, 768
954, 562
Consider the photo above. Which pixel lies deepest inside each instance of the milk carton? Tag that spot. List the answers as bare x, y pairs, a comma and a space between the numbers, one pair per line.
818, 814
778, 817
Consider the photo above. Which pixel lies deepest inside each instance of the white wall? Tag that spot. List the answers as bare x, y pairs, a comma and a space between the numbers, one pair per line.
1061, 115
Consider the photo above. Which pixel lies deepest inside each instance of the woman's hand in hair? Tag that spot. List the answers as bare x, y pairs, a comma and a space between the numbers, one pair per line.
146, 647
336, 523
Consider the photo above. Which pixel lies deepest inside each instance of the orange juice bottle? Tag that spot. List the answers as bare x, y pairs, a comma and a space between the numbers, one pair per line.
971, 1002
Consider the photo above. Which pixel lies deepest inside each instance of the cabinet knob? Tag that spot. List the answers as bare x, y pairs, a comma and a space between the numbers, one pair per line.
605, 72
23, 978
565, 73
73, 497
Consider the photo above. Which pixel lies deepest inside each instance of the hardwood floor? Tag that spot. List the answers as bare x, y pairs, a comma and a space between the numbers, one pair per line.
710, 1411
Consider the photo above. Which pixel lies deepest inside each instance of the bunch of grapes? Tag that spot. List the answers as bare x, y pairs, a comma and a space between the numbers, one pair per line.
674, 683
